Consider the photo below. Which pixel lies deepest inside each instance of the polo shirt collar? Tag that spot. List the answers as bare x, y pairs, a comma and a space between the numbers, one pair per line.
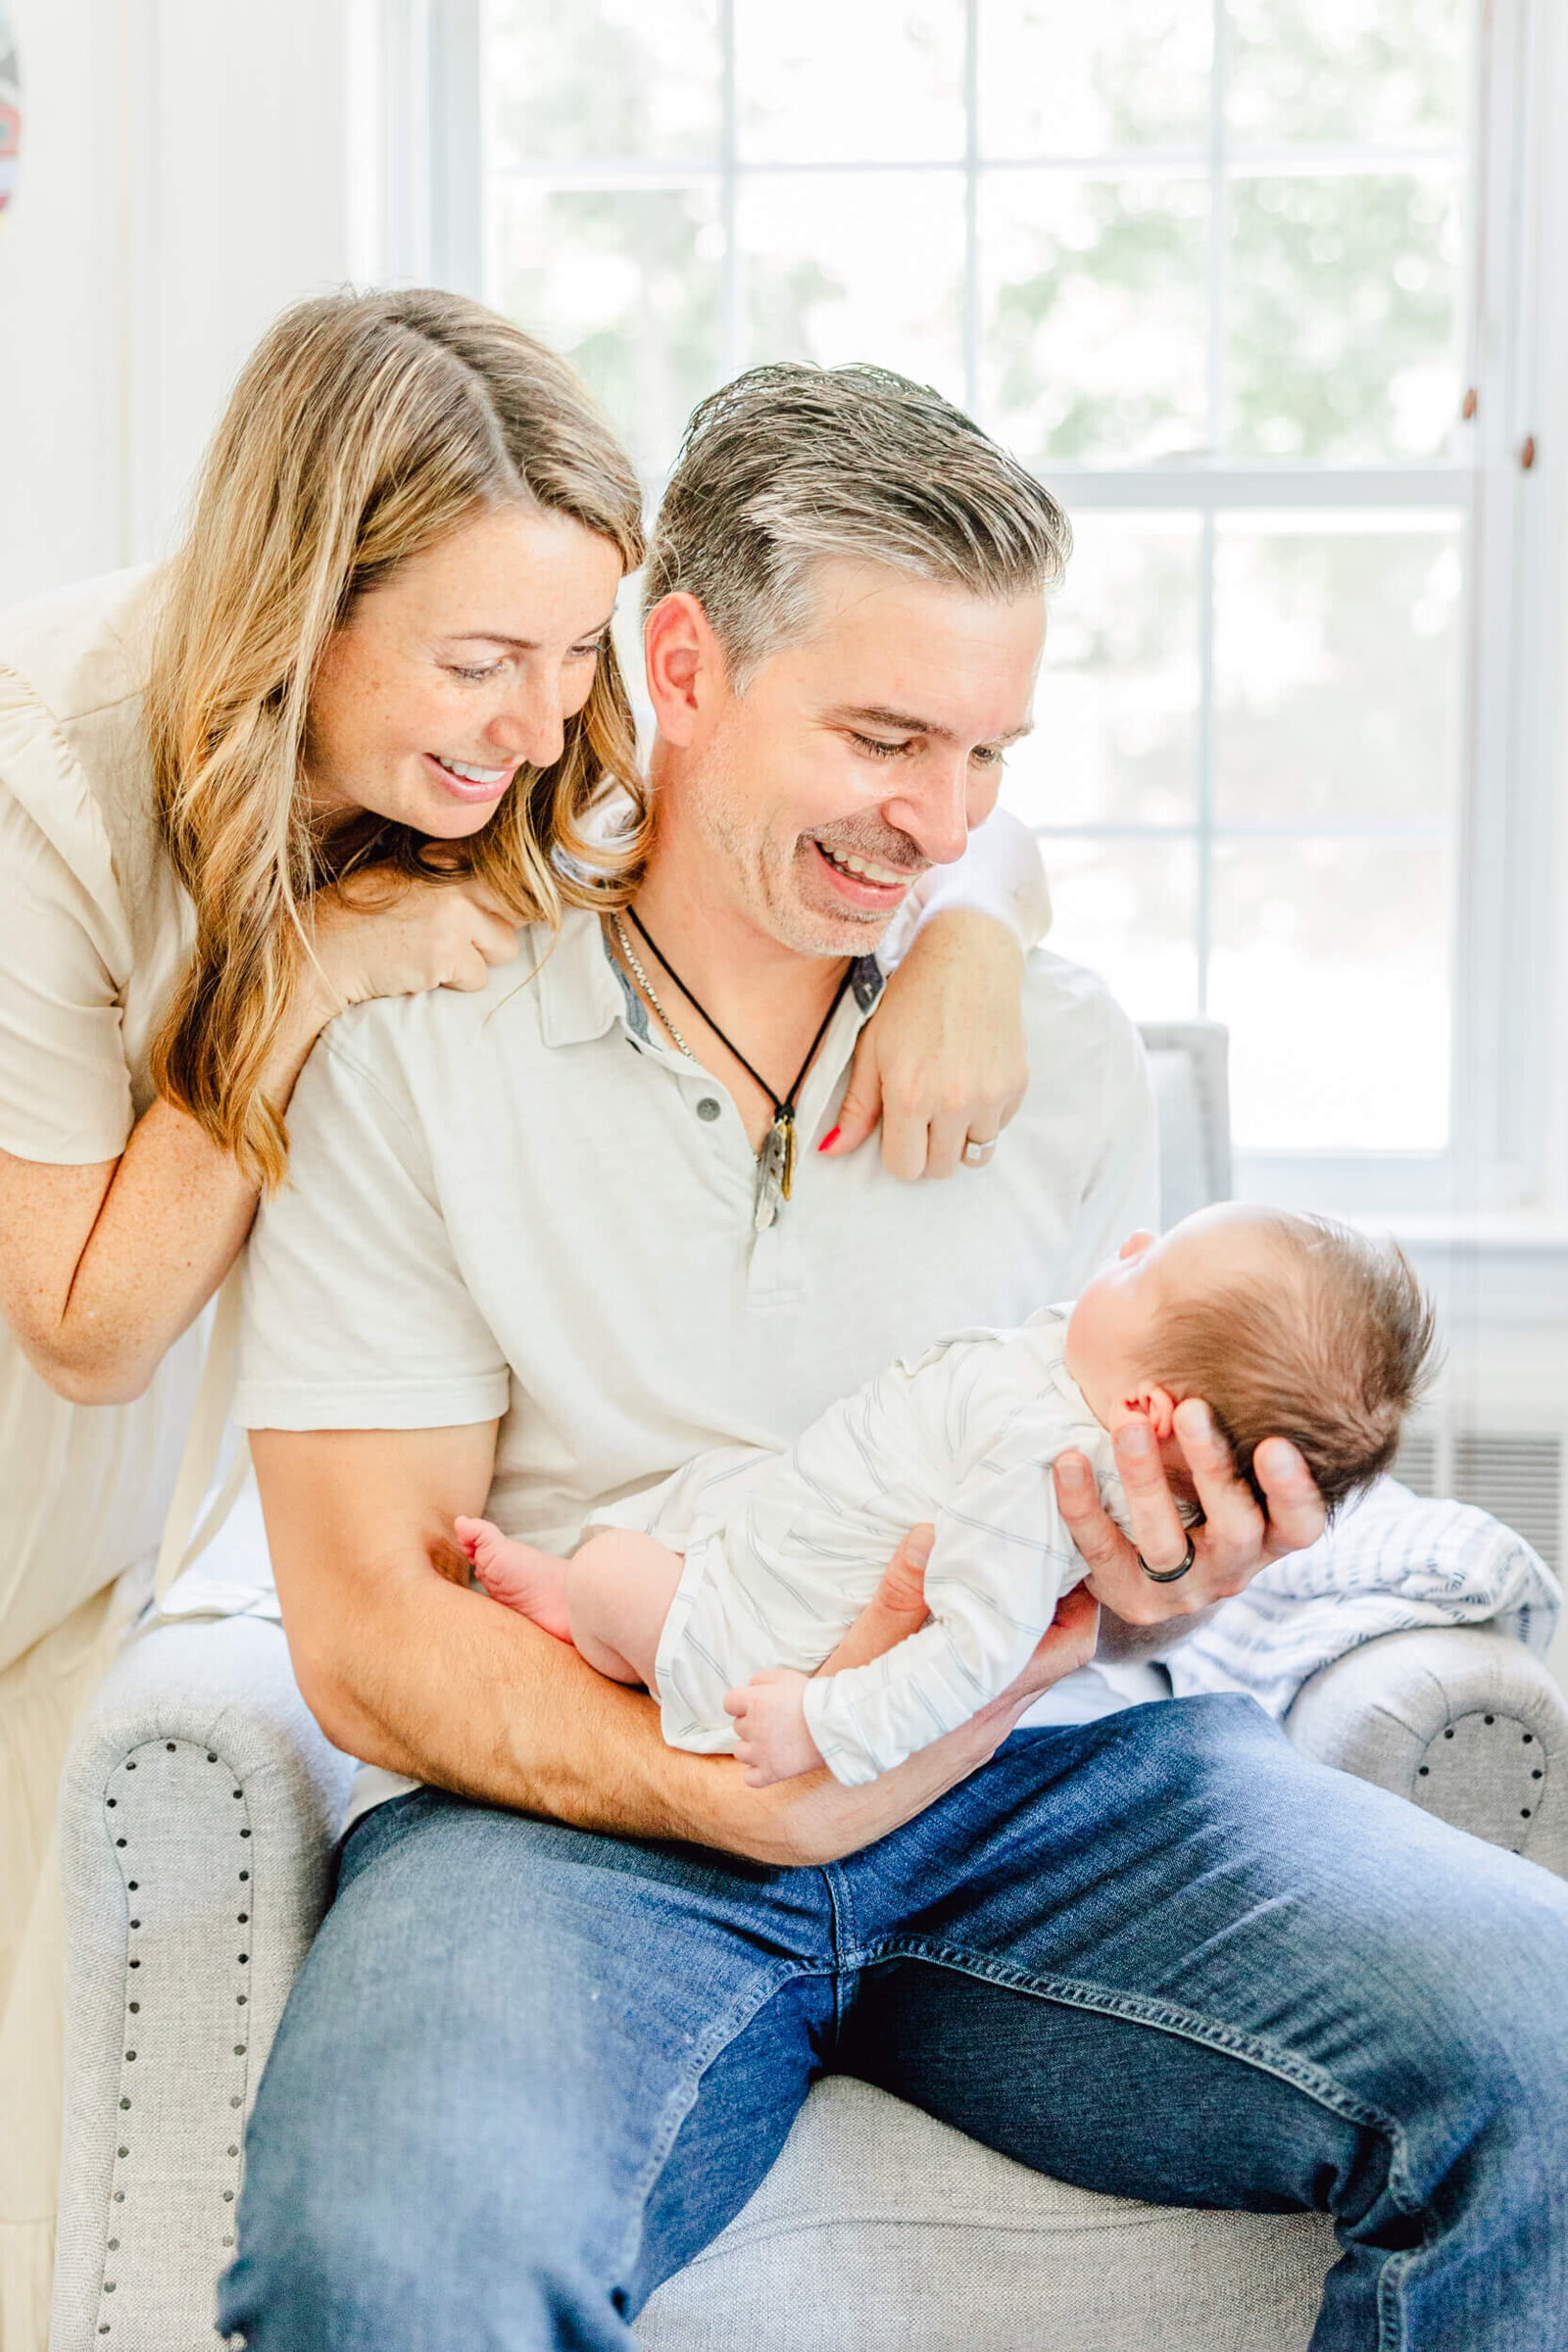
583, 992
580, 995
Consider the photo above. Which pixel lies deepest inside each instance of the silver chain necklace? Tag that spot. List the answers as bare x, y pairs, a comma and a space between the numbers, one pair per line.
776, 1162
634, 961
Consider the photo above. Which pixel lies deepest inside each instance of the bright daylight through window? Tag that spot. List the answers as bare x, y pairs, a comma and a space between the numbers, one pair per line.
1206, 266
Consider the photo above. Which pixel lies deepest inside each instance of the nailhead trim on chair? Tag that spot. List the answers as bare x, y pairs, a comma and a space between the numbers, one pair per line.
1498, 1749
224, 1690
139, 1873
1466, 1723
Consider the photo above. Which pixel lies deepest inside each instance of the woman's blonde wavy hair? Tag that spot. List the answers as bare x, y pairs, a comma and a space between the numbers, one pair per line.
363, 429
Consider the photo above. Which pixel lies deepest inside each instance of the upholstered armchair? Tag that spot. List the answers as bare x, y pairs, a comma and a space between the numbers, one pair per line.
199, 1811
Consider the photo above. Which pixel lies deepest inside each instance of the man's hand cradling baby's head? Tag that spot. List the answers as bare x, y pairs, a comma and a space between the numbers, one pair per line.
1246, 1325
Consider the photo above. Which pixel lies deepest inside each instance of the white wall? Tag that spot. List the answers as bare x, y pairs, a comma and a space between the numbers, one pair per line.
184, 176
61, 427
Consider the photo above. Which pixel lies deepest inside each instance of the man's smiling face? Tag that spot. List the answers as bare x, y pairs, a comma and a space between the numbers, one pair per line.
859, 754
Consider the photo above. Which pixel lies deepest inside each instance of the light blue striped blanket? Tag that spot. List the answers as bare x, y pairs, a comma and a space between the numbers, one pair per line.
1390, 1562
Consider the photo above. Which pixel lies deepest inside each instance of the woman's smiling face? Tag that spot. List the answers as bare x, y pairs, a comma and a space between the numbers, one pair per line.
461, 669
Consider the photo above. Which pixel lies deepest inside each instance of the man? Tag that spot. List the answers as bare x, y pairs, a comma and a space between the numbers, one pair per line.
549, 2040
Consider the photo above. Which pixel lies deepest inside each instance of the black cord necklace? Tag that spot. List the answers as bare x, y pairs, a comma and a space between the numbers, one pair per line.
778, 1156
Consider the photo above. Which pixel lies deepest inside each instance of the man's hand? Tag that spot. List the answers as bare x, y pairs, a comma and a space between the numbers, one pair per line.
813, 1819
1233, 1543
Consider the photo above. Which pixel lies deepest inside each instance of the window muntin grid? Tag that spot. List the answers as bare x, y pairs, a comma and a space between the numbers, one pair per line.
685, 226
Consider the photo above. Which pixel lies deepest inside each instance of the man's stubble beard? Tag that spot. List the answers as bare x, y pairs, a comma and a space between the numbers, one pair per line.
773, 896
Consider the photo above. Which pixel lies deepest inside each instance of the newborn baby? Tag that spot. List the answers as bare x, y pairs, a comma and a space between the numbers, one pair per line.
725, 1588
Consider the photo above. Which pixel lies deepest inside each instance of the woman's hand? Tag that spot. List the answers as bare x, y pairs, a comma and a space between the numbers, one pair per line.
813, 1819
382, 934
943, 1057
1234, 1542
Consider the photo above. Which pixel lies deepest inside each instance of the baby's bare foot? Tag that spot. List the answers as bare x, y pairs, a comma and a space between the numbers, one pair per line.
520, 1576
772, 1740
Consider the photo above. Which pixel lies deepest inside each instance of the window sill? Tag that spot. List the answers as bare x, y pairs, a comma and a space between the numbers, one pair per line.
1506, 1273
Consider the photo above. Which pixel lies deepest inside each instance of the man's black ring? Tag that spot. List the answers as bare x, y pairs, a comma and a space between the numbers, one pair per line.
1169, 1576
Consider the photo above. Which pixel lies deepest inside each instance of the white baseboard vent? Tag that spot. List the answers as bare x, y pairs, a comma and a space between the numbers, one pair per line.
1518, 1478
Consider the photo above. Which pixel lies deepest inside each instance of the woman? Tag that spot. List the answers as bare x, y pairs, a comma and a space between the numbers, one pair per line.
219, 826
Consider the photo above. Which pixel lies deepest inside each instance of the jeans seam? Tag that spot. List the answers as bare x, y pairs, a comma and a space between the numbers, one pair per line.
1167, 2017
1390, 2316
1230, 2041
721, 2032
841, 1904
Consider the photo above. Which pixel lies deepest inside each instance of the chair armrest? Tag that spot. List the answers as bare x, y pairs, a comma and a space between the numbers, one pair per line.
198, 1809
1464, 1721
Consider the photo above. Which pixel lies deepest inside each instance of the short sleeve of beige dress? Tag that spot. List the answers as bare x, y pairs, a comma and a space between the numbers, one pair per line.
94, 930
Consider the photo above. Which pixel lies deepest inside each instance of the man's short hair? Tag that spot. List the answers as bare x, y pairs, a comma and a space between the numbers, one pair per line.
789, 466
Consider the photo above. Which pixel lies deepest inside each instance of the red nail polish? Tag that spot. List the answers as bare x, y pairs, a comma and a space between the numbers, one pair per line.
828, 1140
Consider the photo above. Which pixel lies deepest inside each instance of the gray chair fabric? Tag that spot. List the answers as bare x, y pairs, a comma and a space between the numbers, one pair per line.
198, 1762
1465, 1723
879, 2230
1188, 1062
198, 1811
876, 2225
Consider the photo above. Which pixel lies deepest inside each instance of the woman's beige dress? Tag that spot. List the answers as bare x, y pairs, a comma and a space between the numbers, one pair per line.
94, 929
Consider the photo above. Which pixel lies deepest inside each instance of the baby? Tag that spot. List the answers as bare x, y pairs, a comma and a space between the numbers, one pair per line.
725, 1588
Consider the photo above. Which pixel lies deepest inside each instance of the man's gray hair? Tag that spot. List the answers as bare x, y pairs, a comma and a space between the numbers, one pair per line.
788, 466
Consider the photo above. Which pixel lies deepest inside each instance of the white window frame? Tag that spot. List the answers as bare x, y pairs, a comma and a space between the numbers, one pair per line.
418, 137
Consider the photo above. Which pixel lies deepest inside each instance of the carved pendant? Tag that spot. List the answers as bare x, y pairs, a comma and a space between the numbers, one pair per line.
775, 1169
784, 1127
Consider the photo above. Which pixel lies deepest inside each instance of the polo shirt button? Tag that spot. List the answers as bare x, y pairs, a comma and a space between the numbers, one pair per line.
708, 1107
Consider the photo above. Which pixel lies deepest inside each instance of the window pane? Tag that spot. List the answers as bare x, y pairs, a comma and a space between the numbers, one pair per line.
629, 80
1116, 738
1343, 310
855, 266
1127, 909
1390, 71
1095, 316
624, 283
876, 80
1337, 668
1058, 78
1330, 962
1336, 637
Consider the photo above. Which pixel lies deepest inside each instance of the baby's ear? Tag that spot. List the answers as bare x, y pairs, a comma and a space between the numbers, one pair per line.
1157, 1406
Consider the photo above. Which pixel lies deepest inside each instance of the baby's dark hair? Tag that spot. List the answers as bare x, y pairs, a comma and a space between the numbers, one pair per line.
1331, 1348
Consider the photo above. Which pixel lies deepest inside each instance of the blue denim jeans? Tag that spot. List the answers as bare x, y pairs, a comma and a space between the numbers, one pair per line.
526, 2073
